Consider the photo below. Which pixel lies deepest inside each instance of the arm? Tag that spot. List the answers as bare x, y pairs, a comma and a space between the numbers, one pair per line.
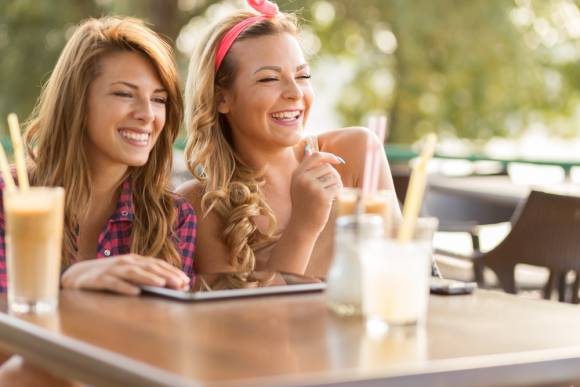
314, 186
123, 274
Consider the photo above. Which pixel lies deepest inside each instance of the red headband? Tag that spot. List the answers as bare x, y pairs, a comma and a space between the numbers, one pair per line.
267, 9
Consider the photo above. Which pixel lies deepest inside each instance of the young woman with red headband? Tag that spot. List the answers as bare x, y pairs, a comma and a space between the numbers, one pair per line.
263, 193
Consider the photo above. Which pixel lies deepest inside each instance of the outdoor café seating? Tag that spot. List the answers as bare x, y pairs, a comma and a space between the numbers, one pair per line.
544, 233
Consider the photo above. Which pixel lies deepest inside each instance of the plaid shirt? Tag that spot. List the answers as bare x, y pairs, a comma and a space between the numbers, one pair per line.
115, 239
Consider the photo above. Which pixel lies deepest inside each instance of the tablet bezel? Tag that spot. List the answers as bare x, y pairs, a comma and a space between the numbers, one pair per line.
233, 293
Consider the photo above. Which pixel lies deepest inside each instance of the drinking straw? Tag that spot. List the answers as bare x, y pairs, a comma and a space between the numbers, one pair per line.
380, 129
416, 189
377, 125
18, 152
5, 169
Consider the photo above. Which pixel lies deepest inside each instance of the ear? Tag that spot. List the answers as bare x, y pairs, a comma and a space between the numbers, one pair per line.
223, 98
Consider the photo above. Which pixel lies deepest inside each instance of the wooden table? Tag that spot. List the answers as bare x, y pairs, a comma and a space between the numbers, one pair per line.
497, 189
485, 339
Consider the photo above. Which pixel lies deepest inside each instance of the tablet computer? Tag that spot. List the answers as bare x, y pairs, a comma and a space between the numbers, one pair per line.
283, 284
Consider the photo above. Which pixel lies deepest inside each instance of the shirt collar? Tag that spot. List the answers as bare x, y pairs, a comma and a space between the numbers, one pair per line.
125, 210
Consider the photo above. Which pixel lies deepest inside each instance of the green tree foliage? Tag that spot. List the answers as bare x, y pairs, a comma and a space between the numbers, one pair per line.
464, 68
473, 69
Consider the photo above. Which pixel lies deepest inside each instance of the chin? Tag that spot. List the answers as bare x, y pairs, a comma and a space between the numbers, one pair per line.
137, 162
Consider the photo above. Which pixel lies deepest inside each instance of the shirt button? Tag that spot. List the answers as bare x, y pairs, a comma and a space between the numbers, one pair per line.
107, 253
124, 213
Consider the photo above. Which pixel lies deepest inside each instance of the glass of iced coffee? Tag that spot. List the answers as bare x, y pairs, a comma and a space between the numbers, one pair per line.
34, 221
395, 277
382, 202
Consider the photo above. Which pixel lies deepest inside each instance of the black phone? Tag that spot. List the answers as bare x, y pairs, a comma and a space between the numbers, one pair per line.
449, 287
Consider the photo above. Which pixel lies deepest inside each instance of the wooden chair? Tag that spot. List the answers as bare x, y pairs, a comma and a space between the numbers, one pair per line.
545, 232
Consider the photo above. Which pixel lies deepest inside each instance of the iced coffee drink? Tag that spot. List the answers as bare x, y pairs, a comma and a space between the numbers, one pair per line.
378, 203
34, 232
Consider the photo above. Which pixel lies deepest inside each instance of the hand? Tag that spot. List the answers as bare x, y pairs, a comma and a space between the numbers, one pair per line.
315, 184
123, 274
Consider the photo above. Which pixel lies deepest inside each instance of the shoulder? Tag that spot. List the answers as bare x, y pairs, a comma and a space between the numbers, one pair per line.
192, 192
350, 144
343, 139
184, 199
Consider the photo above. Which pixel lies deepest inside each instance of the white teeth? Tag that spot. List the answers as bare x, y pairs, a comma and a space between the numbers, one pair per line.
286, 115
141, 137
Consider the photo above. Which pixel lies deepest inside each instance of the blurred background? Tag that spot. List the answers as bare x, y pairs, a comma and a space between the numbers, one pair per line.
498, 80
476, 71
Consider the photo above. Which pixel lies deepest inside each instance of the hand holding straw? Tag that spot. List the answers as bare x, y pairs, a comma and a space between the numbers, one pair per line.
18, 151
416, 189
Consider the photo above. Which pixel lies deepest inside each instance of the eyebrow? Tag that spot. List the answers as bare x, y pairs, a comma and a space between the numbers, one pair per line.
135, 87
279, 69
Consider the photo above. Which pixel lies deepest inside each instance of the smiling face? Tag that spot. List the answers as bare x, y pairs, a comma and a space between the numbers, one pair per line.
126, 111
269, 101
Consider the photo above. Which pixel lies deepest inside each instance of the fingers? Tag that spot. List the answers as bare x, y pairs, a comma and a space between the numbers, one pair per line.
152, 271
113, 284
326, 176
318, 158
124, 274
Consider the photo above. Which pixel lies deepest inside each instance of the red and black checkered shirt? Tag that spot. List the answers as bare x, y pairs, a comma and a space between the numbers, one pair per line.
115, 239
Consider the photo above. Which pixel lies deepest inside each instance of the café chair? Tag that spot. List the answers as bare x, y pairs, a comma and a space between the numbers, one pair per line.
456, 211
545, 232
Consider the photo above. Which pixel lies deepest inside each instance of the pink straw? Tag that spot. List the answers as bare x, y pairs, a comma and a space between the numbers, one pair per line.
377, 125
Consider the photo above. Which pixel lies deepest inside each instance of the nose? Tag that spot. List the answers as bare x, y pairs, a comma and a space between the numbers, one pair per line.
144, 110
293, 90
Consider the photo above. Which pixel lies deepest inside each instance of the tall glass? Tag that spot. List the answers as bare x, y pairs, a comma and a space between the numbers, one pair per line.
34, 232
395, 277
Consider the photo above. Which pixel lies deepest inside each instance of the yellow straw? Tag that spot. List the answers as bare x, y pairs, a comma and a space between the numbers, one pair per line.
18, 151
416, 189
5, 169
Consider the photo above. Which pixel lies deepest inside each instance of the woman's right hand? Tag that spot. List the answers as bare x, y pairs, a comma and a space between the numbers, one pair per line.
315, 184
123, 274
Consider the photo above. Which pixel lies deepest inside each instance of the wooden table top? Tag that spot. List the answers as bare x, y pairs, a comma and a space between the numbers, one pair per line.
482, 339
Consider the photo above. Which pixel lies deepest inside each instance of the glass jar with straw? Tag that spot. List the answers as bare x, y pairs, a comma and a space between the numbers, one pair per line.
34, 222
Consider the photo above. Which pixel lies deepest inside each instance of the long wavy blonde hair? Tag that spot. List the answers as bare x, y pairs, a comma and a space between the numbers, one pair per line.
231, 187
57, 130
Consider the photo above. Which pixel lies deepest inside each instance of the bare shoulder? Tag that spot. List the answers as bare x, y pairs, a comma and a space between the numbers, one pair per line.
344, 140
192, 191
350, 144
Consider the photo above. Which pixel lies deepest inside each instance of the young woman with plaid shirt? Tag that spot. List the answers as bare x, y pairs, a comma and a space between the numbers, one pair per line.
103, 129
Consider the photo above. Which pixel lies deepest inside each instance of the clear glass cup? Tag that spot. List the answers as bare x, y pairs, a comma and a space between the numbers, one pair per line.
34, 232
395, 277
343, 292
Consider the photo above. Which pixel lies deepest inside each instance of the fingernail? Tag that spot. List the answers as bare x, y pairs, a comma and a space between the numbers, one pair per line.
307, 150
340, 159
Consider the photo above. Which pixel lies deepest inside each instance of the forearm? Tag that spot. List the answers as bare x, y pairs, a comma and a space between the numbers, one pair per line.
292, 252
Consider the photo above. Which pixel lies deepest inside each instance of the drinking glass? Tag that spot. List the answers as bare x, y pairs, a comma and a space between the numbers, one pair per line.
395, 277
34, 231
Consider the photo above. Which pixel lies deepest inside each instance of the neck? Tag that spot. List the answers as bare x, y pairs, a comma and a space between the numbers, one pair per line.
105, 181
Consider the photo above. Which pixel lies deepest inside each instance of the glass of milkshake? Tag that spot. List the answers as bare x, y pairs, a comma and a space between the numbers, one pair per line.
34, 221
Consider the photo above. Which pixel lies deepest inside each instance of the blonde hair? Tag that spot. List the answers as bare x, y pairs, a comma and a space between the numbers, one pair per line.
231, 188
57, 130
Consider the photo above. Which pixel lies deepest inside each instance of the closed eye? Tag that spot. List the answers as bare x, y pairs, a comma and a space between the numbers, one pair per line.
161, 100
266, 80
122, 94
306, 76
